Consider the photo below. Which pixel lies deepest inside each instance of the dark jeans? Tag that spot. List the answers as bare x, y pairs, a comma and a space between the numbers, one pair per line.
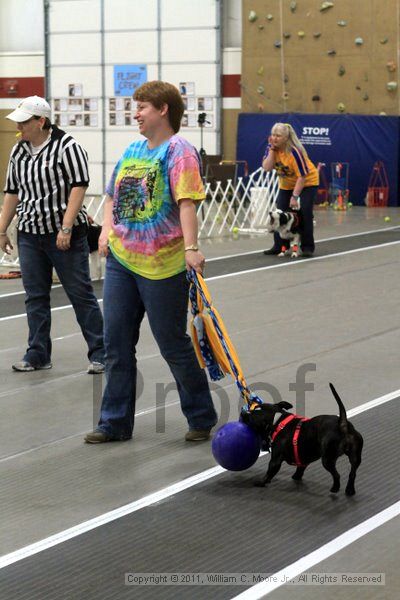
38, 255
127, 296
307, 198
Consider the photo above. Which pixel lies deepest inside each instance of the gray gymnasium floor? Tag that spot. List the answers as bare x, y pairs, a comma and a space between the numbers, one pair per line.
337, 313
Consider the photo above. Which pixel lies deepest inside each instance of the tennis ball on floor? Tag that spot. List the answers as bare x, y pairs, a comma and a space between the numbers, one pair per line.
387, 219
350, 204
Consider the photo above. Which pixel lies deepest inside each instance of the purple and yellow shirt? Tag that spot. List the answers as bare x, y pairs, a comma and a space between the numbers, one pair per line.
146, 187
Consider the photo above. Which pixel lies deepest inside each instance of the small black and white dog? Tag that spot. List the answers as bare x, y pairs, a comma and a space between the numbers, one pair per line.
289, 226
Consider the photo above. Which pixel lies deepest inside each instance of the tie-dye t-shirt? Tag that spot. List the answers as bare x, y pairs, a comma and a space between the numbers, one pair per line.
146, 186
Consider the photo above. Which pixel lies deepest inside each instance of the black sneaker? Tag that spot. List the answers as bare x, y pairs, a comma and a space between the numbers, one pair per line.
271, 251
307, 254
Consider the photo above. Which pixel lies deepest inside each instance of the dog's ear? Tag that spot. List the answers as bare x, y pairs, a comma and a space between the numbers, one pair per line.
284, 405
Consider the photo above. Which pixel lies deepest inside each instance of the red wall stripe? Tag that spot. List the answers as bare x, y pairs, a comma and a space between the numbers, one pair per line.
231, 86
23, 86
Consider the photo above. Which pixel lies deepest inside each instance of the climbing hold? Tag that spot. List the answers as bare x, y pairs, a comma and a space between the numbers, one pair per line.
285, 96
277, 44
341, 107
317, 34
342, 23
326, 5
260, 71
382, 113
293, 6
358, 87
269, 17
301, 34
316, 98
286, 35
253, 16
331, 52
384, 40
260, 89
260, 106
391, 66
286, 78
391, 86
365, 96
358, 41
341, 71
261, 27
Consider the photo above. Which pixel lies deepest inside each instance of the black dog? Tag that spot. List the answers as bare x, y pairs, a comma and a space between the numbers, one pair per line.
300, 441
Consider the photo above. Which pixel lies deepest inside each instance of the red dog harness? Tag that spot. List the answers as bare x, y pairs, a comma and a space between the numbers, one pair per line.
296, 434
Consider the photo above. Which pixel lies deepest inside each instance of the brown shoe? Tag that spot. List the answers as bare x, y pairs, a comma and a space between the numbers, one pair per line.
97, 437
197, 435
100, 437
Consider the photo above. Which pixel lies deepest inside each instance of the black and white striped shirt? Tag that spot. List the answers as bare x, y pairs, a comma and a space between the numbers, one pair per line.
43, 182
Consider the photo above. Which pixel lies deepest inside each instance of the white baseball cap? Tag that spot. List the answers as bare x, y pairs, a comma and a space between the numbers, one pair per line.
33, 106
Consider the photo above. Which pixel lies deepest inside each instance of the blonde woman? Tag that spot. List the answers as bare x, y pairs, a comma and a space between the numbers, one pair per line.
298, 182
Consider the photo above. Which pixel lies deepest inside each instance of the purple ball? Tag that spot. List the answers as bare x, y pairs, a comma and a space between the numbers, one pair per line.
236, 446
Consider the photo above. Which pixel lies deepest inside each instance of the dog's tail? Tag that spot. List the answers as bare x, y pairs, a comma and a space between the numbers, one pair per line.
342, 411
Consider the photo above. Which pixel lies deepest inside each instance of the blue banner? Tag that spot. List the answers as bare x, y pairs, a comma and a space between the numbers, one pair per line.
127, 78
355, 139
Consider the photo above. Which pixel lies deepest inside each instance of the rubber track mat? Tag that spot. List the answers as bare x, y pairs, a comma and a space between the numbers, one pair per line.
16, 305
224, 525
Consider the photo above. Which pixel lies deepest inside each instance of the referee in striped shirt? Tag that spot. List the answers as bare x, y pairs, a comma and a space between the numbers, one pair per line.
46, 182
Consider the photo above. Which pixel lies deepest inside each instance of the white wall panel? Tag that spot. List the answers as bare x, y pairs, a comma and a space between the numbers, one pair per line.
204, 76
22, 65
188, 13
189, 52
75, 48
96, 178
117, 141
130, 14
21, 26
131, 47
75, 16
209, 140
178, 46
89, 77
90, 140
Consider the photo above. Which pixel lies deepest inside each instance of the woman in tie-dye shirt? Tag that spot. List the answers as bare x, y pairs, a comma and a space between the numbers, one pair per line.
149, 236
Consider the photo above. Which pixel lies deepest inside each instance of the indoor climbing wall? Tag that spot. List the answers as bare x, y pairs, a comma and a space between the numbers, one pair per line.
313, 56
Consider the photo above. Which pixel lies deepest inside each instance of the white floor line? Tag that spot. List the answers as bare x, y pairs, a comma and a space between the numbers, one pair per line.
245, 272
53, 287
167, 492
23, 315
217, 258
317, 241
294, 263
63, 536
306, 562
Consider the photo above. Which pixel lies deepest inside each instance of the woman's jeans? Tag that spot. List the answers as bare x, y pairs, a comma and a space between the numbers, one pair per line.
127, 297
307, 199
38, 254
